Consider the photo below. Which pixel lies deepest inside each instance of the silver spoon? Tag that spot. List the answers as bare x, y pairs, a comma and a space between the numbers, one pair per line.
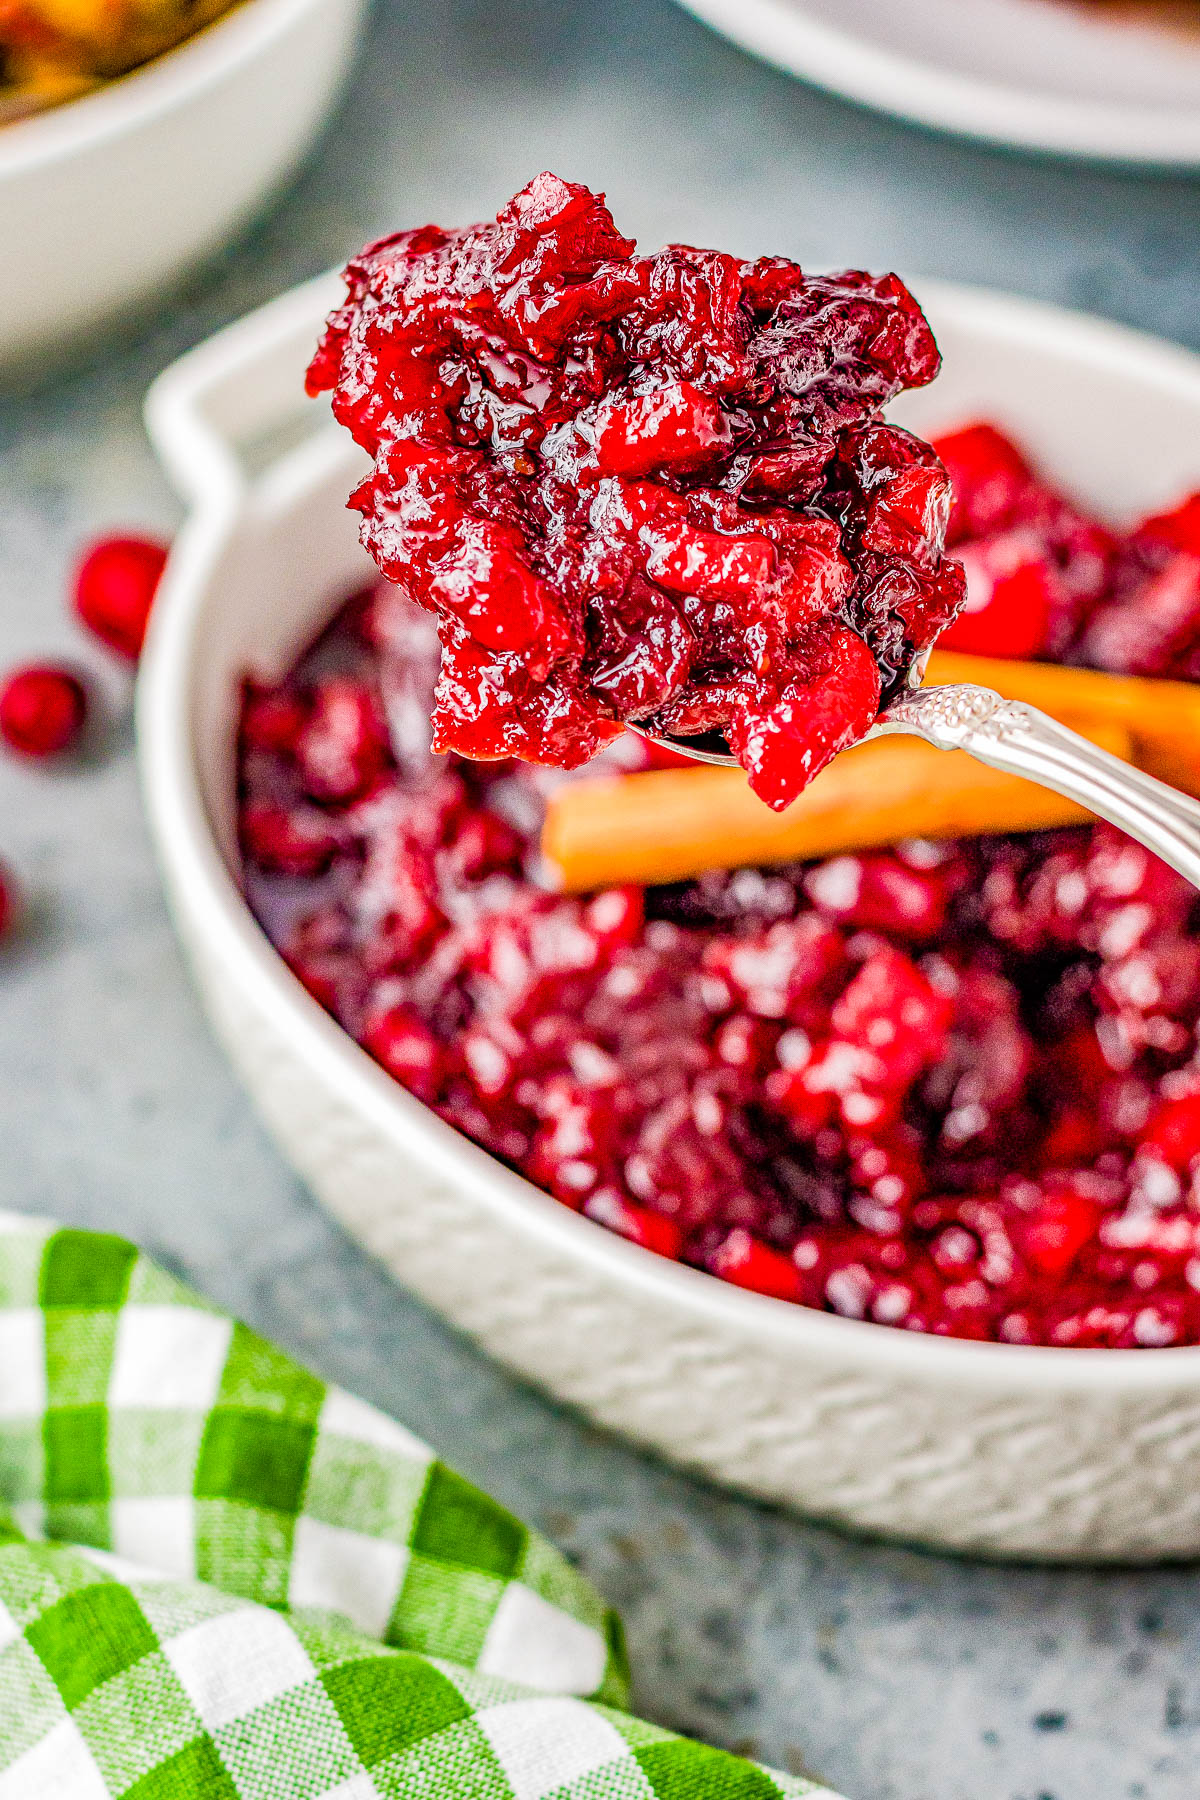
1010, 735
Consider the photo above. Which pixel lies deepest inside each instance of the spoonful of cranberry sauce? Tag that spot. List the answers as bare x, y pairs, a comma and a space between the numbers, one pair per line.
659, 491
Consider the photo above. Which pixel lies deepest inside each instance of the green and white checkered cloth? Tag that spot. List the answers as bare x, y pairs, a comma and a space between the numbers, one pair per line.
222, 1579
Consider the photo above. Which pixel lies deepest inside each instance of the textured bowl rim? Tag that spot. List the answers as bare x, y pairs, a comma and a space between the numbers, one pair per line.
131, 101
217, 912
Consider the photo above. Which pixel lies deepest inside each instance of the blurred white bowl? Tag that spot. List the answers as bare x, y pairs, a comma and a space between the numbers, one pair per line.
1067, 80
1060, 1454
106, 198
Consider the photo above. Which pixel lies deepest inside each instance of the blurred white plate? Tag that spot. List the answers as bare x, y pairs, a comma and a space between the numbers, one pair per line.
1037, 74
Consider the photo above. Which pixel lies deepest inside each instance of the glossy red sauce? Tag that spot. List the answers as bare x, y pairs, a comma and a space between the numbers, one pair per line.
651, 488
946, 1088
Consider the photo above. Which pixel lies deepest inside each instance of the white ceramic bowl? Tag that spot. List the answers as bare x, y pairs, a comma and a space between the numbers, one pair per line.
106, 198
1009, 1451
1037, 74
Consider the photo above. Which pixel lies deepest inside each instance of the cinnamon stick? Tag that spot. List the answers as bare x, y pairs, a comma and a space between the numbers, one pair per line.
671, 824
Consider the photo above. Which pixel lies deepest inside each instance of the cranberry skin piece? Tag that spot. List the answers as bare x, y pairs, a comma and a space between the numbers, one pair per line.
1010, 601
569, 1149
272, 720
484, 845
320, 978
1074, 1140
1058, 1230
1178, 529
743, 1042
1150, 632
899, 495
484, 582
672, 425
616, 916
807, 1108
748, 1263
288, 840
1173, 1134
115, 586
782, 973
797, 1091
889, 1170
342, 748
989, 478
878, 892
637, 1223
43, 709
833, 705
891, 1011
401, 1041
648, 649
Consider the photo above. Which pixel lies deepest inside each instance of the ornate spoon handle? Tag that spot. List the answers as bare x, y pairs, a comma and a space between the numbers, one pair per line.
1018, 738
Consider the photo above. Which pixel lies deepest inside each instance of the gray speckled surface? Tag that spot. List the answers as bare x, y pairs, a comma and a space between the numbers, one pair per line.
897, 1676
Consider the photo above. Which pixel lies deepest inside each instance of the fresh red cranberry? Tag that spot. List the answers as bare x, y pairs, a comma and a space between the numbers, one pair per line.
655, 488
43, 709
115, 585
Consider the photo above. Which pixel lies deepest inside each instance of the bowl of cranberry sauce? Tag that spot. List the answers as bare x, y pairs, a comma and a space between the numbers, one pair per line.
955, 1304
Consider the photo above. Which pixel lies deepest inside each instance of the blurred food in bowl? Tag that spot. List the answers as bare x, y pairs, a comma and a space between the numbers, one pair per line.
107, 199
52, 51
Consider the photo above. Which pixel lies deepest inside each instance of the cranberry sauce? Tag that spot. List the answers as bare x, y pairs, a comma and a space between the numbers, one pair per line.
953, 1088
642, 487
